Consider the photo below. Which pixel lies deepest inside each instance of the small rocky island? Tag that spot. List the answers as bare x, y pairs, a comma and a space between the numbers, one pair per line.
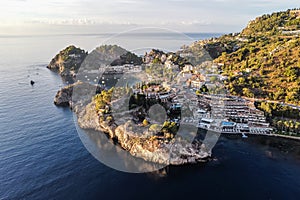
68, 61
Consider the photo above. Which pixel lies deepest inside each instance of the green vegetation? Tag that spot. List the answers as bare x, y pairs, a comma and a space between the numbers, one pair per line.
145, 122
203, 89
286, 127
278, 110
261, 62
266, 62
170, 127
68, 60
111, 50
160, 72
70, 50
137, 100
284, 118
271, 24
127, 58
157, 57
102, 101
115, 55
155, 128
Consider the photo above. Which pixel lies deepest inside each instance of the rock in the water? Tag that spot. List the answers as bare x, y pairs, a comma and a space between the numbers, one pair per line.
64, 96
75, 94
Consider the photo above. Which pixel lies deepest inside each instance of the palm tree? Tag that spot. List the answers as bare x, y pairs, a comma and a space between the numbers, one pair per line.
279, 125
291, 125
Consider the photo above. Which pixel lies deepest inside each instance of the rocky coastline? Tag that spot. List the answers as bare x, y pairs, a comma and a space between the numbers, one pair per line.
139, 142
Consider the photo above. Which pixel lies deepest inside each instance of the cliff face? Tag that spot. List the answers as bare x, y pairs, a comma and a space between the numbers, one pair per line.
209, 49
127, 58
76, 94
159, 57
68, 61
139, 143
64, 96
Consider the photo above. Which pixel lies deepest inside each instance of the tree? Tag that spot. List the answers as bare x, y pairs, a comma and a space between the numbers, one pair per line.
204, 89
279, 125
155, 128
266, 107
169, 127
145, 122
248, 93
109, 118
213, 79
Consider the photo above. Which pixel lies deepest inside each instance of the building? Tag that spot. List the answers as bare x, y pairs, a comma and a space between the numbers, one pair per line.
233, 109
188, 68
205, 123
176, 106
295, 13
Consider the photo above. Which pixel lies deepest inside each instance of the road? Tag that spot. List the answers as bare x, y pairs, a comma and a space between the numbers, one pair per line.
270, 101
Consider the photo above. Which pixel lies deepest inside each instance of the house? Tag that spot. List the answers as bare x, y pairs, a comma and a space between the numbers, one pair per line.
295, 13
188, 68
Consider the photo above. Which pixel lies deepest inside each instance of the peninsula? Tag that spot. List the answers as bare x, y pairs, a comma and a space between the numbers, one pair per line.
243, 83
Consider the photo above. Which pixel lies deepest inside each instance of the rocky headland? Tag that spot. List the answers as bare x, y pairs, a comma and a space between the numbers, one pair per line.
255, 64
139, 141
83, 94
68, 61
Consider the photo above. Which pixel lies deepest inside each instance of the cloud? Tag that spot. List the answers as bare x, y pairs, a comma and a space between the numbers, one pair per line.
128, 1
196, 22
185, 14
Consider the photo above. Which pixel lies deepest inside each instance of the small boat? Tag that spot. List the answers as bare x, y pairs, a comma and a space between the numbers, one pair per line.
244, 136
32, 82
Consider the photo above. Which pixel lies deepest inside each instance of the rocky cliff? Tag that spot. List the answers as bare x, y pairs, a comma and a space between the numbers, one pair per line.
156, 56
140, 143
137, 140
76, 94
68, 61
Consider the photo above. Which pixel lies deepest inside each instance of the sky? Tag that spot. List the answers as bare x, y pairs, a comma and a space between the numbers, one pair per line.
111, 16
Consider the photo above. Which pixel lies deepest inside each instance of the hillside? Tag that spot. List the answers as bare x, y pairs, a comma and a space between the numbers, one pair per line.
156, 56
263, 61
68, 61
277, 23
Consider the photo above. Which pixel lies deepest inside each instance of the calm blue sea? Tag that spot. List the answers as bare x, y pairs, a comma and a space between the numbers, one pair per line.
42, 157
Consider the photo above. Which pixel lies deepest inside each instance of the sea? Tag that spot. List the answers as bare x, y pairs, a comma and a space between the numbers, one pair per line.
43, 157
